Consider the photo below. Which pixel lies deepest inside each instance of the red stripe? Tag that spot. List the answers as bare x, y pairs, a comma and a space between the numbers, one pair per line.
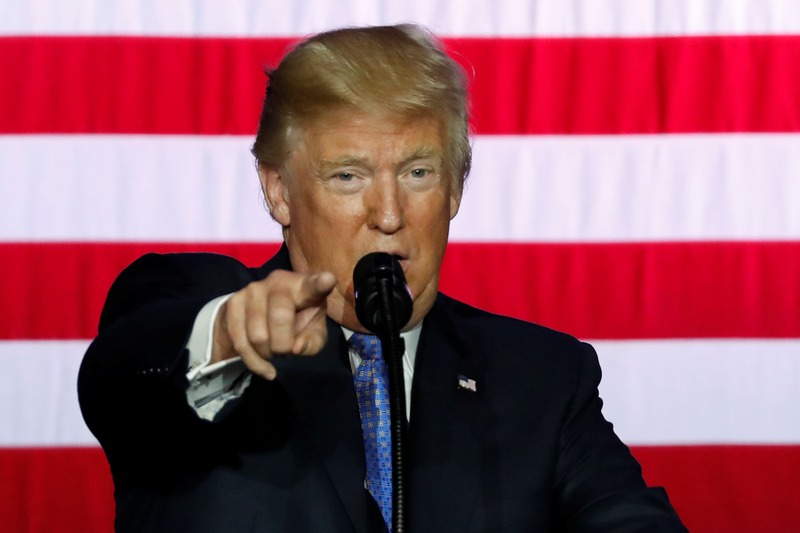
595, 291
68, 490
728, 488
635, 290
719, 488
69, 282
133, 84
634, 85
521, 86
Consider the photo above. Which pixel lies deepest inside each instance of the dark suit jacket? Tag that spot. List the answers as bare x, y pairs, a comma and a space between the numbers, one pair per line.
528, 451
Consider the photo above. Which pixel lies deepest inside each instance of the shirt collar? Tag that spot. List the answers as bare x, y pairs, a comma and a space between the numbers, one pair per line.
410, 337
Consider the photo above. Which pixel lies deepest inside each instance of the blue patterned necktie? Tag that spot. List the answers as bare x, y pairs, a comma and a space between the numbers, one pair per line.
372, 390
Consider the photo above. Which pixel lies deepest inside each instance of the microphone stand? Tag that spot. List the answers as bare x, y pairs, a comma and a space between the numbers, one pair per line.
393, 348
383, 306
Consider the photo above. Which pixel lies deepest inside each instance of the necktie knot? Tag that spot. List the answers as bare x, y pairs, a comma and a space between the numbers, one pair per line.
368, 347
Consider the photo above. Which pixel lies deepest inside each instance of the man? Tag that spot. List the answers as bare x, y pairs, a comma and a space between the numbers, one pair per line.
212, 417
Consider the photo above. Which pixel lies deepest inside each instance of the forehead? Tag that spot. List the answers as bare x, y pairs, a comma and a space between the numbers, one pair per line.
370, 135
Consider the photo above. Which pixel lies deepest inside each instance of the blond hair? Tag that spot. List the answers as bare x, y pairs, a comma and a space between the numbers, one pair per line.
400, 70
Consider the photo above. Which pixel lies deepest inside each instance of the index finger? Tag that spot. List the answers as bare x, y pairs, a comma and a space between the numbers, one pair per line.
287, 309
314, 289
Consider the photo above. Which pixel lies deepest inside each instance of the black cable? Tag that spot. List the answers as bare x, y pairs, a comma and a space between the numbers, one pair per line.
393, 349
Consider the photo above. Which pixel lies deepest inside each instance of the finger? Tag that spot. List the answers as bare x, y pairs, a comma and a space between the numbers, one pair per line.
255, 318
222, 348
258, 365
285, 313
312, 335
281, 311
314, 289
237, 331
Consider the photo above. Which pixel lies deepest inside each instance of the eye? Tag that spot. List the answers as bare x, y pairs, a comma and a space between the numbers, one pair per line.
345, 182
419, 172
421, 178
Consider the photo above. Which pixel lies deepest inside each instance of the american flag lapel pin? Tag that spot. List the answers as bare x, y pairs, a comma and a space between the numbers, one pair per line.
465, 383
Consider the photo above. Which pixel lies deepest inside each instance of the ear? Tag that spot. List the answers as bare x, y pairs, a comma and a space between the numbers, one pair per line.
455, 201
276, 193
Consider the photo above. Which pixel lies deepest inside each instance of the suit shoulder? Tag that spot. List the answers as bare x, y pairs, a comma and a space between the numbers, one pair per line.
188, 261
155, 271
172, 276
501, 328
509, 353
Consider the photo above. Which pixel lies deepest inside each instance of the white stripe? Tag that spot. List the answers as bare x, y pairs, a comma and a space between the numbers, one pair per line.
527, 188
702, 391
632, 188
38, 394
446, 17
655, 392
132, 188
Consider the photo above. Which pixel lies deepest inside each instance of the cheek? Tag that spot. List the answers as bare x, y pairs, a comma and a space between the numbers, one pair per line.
331, 245
322, 218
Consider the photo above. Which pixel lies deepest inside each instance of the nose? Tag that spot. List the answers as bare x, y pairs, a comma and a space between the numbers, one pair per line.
384, 205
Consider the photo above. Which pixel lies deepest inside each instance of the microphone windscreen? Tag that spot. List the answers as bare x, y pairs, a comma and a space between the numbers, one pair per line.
373, 271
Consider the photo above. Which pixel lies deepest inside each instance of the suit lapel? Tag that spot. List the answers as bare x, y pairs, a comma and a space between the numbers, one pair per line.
326, 413
326, 417
446, 428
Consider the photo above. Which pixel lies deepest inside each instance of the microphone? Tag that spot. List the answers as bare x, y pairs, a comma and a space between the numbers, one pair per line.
383, 306
374, 273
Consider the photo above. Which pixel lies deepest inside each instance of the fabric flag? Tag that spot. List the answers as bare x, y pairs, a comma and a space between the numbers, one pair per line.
635, 183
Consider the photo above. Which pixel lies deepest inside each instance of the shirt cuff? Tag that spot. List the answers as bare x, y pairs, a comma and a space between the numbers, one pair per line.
211, 386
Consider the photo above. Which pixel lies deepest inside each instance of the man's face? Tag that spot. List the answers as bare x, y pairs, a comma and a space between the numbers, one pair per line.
357, 183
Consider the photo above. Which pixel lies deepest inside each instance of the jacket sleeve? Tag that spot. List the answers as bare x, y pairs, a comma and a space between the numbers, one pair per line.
600, 484
132, 381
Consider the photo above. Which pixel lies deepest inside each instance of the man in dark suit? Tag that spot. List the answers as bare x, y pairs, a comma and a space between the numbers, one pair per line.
223, 396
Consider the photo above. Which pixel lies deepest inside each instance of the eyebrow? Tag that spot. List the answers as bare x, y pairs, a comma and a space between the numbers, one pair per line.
423, 152
326, 165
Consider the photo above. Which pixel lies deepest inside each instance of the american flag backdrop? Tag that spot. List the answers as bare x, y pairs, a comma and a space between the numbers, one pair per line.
636, 182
